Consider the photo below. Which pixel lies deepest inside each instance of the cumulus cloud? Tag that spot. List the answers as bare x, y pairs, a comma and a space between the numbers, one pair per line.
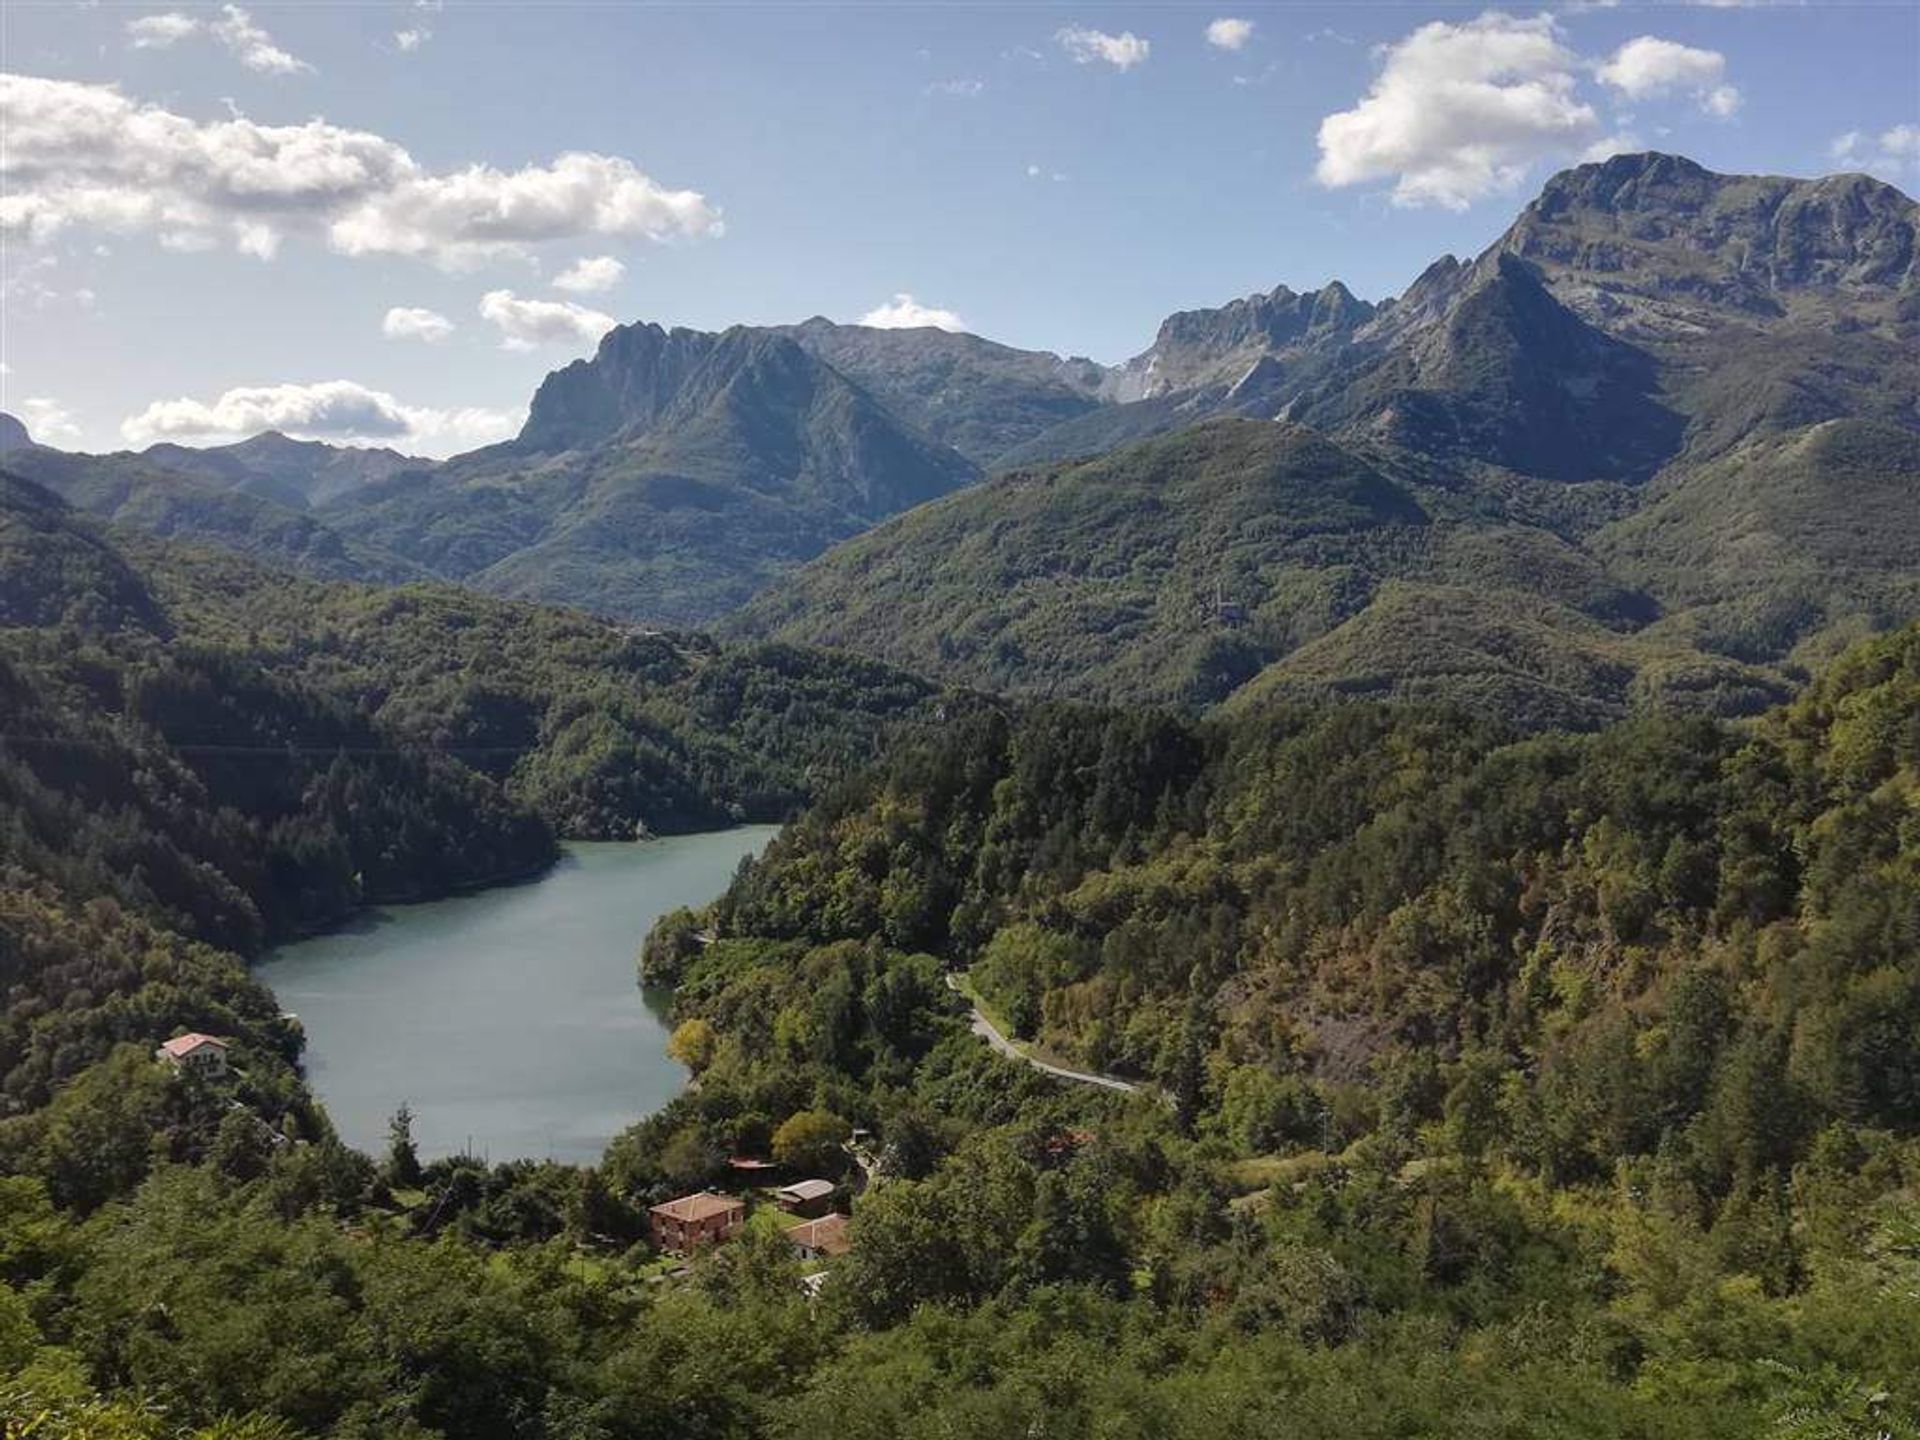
235, 30
157, 32
1460, 111
410, 40
480, 210
524, 324
48, 421
1894, 151
85, 155
1648, 66
1228, 33
1122, 51
904, 312
251, 45
590, 276
1621, 142
411, 322
336, 410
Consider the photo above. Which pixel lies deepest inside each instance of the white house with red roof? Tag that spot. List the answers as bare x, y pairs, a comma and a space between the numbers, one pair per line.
201, 1054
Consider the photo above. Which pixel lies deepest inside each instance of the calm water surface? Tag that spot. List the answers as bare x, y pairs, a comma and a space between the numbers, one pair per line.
510, 1020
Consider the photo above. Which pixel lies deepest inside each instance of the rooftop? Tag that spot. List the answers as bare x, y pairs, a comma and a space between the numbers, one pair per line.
703, 1206
806, 1190
183, 1045
828, 1234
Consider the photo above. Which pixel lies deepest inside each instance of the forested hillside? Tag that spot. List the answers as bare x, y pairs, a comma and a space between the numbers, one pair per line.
195, 752
1519, 1046
1536, 1086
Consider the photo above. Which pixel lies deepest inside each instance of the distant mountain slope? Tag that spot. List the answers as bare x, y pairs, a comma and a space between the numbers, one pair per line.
599, 729
1199, 348
981, 398
1616, 392
217, 506
255, 497
1508, 376
1663, 434
1755, 300
1110, 576
1181, 569
1788, 545
299, 473
667, 479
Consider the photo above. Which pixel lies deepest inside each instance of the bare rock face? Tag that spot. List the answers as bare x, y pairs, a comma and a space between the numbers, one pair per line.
630, 380
1203, 347
1657, 244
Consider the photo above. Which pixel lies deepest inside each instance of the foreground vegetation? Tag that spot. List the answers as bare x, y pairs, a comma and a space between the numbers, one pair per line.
1562, 1086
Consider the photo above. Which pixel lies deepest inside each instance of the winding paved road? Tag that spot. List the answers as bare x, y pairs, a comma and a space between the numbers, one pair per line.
987, 1031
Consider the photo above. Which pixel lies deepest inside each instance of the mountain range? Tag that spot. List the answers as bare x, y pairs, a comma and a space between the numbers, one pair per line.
1660, 442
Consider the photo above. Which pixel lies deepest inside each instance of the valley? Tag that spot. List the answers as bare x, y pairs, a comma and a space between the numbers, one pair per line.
1356, 874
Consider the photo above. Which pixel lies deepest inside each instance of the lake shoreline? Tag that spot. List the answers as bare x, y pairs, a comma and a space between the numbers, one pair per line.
503, 880
510, 1017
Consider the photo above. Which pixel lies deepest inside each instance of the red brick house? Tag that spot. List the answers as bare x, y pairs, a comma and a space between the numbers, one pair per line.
695, 1220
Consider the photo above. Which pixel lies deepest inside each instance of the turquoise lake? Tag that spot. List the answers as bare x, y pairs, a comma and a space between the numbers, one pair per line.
510, 1020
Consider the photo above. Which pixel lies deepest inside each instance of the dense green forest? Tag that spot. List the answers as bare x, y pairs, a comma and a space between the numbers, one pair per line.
196, 753
1493, 1084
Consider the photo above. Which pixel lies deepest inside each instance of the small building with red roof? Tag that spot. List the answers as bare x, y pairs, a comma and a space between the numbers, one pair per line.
201, 1054
693, 1221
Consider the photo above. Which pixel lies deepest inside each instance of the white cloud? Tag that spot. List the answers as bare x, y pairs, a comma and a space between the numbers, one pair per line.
411, 322
471, 213
963, 89
590, 276
1460, 111
335, 410
1721, 101
157, 32
410, 40
1648, 66
904, 312
246, 41
48, 421
251, 45
524, 324
1228, 33
86, 155
1621, 142
1122, 51
1894, 151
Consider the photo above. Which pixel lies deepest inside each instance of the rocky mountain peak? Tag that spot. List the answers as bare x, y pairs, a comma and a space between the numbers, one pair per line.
13, 434
1227, 344
1657, 224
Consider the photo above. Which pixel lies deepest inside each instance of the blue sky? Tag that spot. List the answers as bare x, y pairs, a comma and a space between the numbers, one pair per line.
218, 219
